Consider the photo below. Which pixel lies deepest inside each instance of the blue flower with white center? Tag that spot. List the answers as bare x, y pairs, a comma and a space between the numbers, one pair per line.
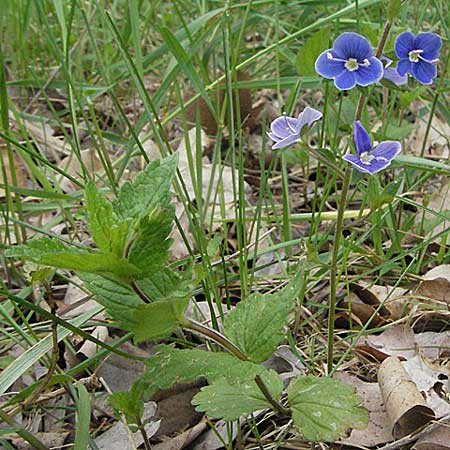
371, 160
350, 62
285, 130
418, 55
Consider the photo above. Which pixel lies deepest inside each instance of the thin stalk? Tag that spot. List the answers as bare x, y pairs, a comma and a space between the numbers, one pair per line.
334, 277
144, 434
233, 349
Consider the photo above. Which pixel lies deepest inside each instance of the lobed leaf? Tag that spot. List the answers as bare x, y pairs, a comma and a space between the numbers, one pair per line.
257, 324
231, 400
170, 366
324, 409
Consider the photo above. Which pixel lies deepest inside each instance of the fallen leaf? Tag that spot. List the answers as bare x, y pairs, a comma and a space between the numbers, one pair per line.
406, 408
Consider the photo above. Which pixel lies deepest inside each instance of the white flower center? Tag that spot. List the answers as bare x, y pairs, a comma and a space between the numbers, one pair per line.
366, 157
351, 64
414, 55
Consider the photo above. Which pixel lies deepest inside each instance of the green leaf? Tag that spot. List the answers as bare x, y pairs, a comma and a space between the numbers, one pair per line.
170, 366
128, 403
117, 297
157, 319
150, 249
108, 231
323, 408
312, 48
53, 253
83, 408
416, 162
149, 191
167, 284
257, 324
224, 399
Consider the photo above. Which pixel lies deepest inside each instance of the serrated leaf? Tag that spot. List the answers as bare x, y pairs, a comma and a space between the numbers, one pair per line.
150, 249
231, 400
148, 191
170, 366
312, 48
323, 409
108, 231
128, 403
157, 319
118, 298
257, 324
53, 253
167, 284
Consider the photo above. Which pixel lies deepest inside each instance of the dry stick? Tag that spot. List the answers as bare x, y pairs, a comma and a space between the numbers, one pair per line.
236, 351
339, 223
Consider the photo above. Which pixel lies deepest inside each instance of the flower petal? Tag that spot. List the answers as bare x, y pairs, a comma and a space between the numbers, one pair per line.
424, 71
353, 45
286, 142
404, 66
391, 74
329, 68
370, 74
361, 138
430, 43
373, 167
346, 80
404, 44
387, 150
307, 117
283, 126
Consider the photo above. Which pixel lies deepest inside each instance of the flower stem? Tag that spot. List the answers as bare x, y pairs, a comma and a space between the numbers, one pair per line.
223, 341
334, 278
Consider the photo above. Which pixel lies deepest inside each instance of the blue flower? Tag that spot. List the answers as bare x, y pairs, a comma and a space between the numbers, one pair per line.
391, 74
418, 55
350, 62
285, 130
371, 160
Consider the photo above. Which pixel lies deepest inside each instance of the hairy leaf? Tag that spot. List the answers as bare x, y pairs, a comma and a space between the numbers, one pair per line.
257, 324
54, 253
149, 191
170, 366
157, 319
128, 403
323, 408
150, 249
167, 284
108, 231
232, 400
118, 298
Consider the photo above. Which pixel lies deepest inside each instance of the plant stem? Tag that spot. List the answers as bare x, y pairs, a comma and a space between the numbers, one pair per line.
24, 434
334, 278
144, 434
233, 349
215, 336
276, 406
